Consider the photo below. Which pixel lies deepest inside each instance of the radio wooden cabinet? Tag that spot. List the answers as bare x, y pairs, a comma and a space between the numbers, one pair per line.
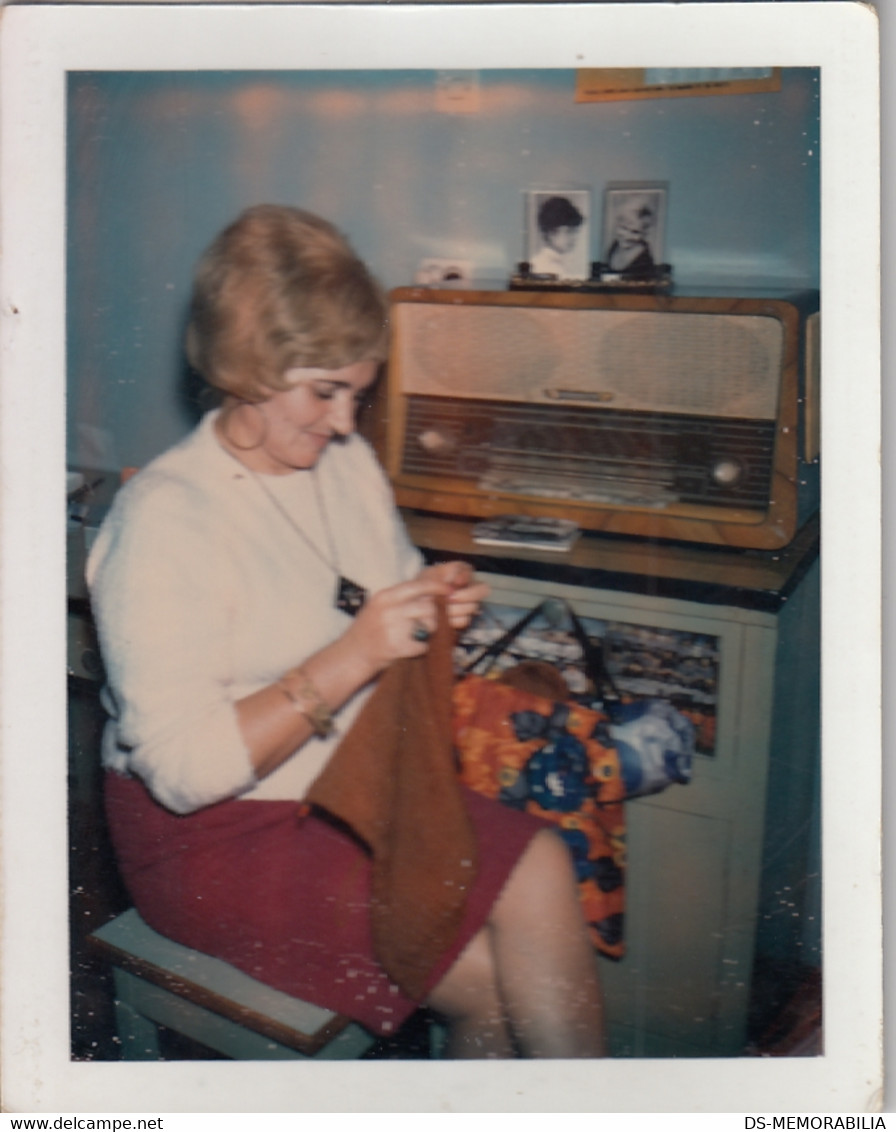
686, 417
722, 872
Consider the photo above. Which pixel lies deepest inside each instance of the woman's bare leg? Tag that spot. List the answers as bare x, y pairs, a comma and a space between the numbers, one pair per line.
546, 966
468, 998
527, 984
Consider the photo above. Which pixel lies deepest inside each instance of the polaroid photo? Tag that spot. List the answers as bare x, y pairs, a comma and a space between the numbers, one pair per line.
131, 136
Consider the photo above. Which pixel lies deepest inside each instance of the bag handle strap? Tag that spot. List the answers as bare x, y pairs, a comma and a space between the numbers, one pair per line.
595, 662
592, 652
493, 651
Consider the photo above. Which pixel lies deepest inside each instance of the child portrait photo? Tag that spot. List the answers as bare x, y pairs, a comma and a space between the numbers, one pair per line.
558, 230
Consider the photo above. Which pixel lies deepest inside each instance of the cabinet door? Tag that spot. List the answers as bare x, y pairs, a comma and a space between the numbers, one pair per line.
694, 851
663, 997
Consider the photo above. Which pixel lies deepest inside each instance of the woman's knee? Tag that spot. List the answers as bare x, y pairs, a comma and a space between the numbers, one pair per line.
543, 884
546, 860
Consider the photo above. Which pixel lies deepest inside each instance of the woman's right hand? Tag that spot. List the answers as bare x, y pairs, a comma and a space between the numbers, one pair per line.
383, 631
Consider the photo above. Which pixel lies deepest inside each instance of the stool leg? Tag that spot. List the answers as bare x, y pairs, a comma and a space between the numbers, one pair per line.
139, 1035
438, 1039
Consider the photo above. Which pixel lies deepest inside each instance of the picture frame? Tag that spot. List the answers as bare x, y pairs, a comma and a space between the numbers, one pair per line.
558, 233
633, 242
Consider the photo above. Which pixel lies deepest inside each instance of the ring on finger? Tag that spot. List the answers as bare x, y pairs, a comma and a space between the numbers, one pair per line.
420, 631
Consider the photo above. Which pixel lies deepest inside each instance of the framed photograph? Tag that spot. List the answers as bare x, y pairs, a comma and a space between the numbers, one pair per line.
558, 226
634, 227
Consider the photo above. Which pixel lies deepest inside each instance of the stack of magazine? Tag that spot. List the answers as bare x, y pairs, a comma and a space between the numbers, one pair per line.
534, 533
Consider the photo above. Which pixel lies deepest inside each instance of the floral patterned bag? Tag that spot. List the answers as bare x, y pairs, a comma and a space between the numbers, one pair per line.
523, 740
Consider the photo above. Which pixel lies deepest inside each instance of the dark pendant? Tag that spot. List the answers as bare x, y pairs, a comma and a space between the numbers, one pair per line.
350, 596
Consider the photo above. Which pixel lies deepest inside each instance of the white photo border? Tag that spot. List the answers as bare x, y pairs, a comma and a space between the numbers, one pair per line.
39, 45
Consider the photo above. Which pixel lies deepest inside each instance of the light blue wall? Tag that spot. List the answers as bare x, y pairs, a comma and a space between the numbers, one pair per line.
160, 161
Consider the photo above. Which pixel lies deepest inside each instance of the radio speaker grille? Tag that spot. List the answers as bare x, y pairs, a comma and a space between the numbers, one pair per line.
659, 361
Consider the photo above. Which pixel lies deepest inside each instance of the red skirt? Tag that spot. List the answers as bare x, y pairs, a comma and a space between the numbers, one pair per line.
283, 895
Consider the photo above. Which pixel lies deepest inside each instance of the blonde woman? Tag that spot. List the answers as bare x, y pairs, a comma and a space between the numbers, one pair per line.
250, 585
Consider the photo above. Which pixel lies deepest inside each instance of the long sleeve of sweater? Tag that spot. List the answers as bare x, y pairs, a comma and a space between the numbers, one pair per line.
163, 591
204, 593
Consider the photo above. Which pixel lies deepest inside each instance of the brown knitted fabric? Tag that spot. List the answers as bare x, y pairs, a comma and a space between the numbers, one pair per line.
393, 780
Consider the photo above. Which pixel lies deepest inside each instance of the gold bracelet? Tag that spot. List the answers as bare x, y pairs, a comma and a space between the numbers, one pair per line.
316, 711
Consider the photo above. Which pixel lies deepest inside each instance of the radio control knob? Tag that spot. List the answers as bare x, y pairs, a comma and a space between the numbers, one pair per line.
727, 472
436, 442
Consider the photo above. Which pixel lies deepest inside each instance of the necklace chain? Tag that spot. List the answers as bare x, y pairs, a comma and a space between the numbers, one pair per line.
349, 595
331, 562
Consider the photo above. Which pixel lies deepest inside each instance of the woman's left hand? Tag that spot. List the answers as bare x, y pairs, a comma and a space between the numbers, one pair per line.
462, 603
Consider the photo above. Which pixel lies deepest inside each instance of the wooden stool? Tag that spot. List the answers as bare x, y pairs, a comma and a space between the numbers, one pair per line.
161, 983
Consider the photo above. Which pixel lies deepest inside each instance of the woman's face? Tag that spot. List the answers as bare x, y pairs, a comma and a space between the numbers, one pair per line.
302, 420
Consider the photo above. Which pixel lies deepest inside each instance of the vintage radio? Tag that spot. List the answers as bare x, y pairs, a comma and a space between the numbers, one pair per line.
691, 419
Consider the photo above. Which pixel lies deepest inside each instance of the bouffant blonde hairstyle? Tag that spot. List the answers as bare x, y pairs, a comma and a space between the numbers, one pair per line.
279, 289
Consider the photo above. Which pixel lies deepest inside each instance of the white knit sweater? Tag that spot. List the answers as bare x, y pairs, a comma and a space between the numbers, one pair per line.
204, 592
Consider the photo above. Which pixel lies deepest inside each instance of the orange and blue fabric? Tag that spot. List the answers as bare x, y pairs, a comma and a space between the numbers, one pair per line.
547, 757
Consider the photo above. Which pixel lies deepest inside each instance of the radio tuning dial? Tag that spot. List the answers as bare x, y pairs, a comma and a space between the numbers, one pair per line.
436, 443
727, 472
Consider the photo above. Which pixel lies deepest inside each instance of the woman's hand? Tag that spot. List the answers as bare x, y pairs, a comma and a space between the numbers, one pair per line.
465, 594
397, 622
382, 632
